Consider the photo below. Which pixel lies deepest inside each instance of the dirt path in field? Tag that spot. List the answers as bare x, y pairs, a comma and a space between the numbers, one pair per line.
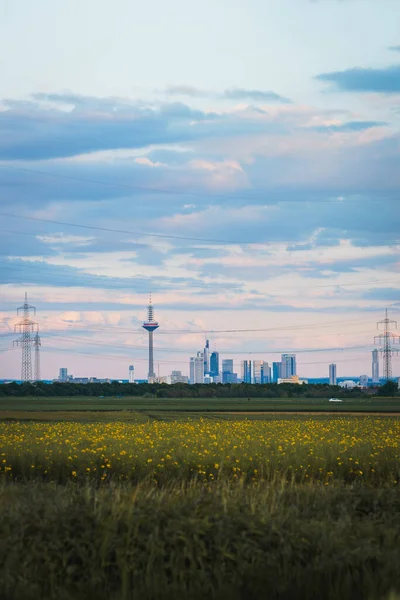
313, 412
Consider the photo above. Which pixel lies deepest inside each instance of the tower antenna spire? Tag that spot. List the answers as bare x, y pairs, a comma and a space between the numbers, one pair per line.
150, 325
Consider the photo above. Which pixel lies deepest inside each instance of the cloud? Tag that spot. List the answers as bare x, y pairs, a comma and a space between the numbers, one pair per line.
394, 48
358, 79
39, 132
349, 126
185, 90
255, 95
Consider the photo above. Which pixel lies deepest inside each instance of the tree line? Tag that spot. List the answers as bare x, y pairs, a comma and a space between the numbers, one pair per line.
183, 390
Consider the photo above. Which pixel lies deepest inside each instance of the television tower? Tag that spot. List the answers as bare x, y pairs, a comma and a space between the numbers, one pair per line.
150, 325
25, 327
387, 339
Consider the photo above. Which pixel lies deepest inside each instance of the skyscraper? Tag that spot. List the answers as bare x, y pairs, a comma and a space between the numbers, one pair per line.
261, 371
375, 366
276, 371
197, 368
332, 374
131, 374
63, 374
206, 353
227, 365
214, 364
266, 373
246, 371
288, 365
150, 325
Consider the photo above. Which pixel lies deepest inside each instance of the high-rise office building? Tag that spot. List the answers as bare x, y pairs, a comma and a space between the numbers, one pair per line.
332, 374
214, 364
177, 377
63, 375
206, 354
288, 365
266, 373
197, 368
131, 374
375, 366
227, 365
246, 371
364, 381
276, 371
261, 371
229, 377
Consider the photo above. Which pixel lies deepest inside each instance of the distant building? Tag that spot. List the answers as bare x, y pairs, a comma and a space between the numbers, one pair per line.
197, 368
131, 374
292, 379
206, 357
349, 384
332, 374
375, 366
364, 381
63, 376
246, 371
229, 377
227, 365
214, 364
177, 377
288, 368
164, 379
276, 371
261, 372
87, 380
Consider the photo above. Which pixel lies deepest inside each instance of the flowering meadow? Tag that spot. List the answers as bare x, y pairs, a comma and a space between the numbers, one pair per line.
278, 508
325, 450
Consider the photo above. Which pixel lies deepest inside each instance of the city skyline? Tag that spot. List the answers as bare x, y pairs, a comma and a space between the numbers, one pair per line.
247, 184
207, 360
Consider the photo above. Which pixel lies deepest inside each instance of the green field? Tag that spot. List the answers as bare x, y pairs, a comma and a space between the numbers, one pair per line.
143, 404
157, 504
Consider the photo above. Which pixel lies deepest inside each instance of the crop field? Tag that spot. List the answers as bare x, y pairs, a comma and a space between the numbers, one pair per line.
369, 404
272, 507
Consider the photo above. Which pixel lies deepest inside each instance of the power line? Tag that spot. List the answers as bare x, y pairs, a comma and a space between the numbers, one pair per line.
177, 192
139, 233
134, 244
230, 352
49, 268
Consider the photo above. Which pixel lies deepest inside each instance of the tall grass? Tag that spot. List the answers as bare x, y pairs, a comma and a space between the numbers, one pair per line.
225, 541
281, 509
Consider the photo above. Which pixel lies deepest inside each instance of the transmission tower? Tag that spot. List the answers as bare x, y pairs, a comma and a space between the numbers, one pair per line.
25, 327
36, 344
387, 339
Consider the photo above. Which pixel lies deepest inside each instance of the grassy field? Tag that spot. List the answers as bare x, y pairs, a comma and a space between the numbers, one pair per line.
369, 404
273, 507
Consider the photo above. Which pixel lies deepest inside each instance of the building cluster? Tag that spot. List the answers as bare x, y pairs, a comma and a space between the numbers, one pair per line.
64, 377
206, 367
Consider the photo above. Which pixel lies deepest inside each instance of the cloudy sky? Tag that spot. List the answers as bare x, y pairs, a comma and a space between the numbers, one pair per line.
239, 160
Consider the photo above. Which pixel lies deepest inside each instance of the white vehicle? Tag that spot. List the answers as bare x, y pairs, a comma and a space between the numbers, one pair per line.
335, 400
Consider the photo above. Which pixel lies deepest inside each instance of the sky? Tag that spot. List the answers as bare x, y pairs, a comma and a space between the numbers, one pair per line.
240, 161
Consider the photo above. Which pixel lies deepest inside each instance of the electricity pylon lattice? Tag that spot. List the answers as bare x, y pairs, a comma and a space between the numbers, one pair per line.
387, 339
25, 327
36, 344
